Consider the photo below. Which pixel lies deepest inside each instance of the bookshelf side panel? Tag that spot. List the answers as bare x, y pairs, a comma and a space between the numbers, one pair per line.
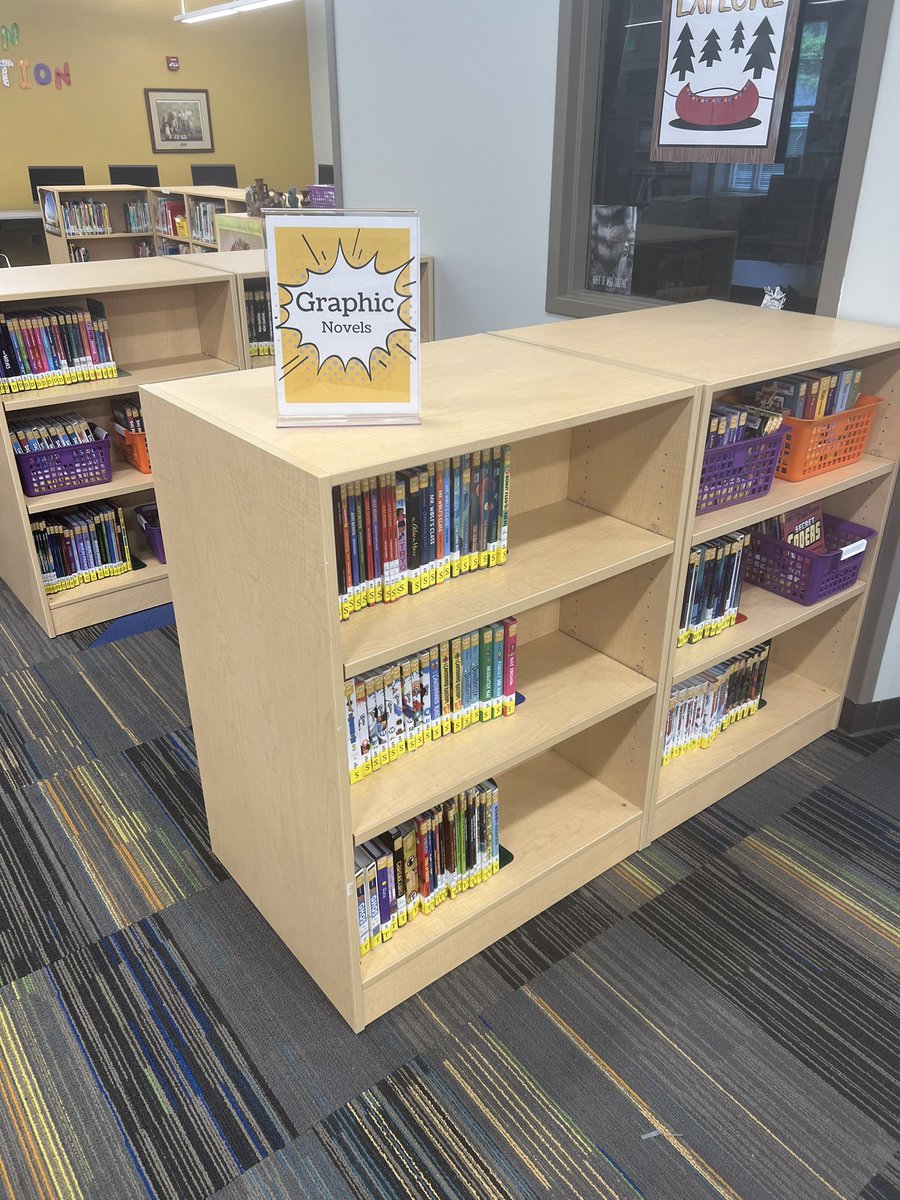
252, 582
19, 566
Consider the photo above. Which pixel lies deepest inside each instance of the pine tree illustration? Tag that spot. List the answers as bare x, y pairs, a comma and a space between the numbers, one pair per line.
761, 50
683, 58
711, 47
737, 42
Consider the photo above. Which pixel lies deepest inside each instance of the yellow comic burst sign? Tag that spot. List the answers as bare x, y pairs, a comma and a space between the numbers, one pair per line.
345, 295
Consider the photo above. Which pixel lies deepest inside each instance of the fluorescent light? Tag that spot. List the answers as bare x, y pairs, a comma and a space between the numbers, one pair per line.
223, 10
638, 24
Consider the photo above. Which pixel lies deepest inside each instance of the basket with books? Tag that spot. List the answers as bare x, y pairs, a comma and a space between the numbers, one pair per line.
807, 556
738, 471
59, 453
823, 444
148, 518
128, 429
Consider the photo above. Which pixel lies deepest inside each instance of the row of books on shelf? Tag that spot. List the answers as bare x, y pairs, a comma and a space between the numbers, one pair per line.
81, 545
170, 217
417, 865
203, 220
259, 322
738, 422
53, 346
86, 218
127, 414
406, 531
705, 705
79, 254
716, 569
712, 592
810, 394
396, 709
168, 248
143, 249
137, 217
50, 431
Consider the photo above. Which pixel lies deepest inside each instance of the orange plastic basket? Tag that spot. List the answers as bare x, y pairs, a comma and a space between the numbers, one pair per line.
826, 443
134, 450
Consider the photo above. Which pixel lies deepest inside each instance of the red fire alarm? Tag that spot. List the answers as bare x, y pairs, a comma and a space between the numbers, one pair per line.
172, 62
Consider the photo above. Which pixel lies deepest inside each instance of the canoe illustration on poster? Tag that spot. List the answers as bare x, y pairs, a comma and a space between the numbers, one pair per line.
723, 69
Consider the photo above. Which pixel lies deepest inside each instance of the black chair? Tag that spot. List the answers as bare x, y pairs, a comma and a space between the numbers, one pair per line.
135, 176
214, 175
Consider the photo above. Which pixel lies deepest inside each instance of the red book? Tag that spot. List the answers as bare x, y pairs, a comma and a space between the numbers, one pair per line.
367, 520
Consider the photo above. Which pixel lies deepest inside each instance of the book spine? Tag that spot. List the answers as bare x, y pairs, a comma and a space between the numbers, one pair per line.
456, 505
510, 656
465, 512
486, 673
497, 671
445, 688
400, 524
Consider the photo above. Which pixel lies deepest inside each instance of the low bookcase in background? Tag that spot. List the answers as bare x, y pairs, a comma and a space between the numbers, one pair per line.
165, 321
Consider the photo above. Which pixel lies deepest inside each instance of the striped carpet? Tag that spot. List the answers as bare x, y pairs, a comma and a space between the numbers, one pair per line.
716, 1017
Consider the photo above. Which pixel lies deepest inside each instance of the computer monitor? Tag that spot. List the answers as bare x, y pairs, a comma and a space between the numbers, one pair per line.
54, 177
137, 176
326, 173
214, 175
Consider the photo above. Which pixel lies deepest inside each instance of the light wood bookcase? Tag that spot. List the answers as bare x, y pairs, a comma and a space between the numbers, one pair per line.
602, 461
249, 270
722, 346
606, 462
120, 242
166, 321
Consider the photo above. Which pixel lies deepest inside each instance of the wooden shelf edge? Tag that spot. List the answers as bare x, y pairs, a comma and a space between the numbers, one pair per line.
784, 496
85, 592
139, 374
781, 615
540, 804
126, 480
388, 632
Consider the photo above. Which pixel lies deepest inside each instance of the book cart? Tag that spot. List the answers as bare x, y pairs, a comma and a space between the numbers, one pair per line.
606, 466
723, 346
165, 321
250, 273
121, 242
601, 470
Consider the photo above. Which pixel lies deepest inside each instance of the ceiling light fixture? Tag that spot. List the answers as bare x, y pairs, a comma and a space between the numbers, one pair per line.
223, 10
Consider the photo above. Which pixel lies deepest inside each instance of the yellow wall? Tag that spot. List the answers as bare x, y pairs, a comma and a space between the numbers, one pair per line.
254, 66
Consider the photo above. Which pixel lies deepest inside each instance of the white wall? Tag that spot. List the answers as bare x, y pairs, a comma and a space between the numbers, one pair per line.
871, 292
448, 108
319, 89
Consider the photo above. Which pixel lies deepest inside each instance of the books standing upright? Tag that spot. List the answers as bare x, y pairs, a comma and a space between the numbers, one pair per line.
345, 296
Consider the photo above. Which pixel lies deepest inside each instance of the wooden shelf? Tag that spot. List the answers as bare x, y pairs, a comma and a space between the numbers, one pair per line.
106, 599
789, 495
125, 481
790, 700
150, 574
561, 826
172, 237
101, 237
138, 374
261, 360
554, 550
567, 687
767, 616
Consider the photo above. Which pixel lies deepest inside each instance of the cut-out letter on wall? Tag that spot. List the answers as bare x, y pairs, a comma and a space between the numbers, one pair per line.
42, 74
63, 77
24, 82
9, 35
5, 64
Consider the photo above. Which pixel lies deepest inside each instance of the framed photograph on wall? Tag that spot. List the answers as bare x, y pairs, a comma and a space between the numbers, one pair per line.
179, 120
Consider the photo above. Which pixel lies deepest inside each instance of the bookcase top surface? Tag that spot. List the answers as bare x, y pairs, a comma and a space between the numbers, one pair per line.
78, 279
713, 341
204, 193
476, 391
245, 264
87, 189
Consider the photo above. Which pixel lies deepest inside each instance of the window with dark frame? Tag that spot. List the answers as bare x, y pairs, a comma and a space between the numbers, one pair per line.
672, 231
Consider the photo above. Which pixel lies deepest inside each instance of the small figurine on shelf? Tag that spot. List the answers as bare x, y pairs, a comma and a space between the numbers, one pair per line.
259, 196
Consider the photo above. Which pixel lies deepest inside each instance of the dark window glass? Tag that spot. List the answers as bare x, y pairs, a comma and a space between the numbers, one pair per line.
723, 230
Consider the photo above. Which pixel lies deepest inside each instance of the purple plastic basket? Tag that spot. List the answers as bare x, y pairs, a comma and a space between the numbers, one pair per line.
732, 474
321, 195
66, 468
146, 513
808, 576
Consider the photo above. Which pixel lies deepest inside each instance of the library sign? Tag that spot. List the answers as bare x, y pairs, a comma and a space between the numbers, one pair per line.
723, 67
345, 298
20, 71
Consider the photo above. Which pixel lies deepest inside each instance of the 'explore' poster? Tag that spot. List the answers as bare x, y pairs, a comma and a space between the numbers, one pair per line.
722, 73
